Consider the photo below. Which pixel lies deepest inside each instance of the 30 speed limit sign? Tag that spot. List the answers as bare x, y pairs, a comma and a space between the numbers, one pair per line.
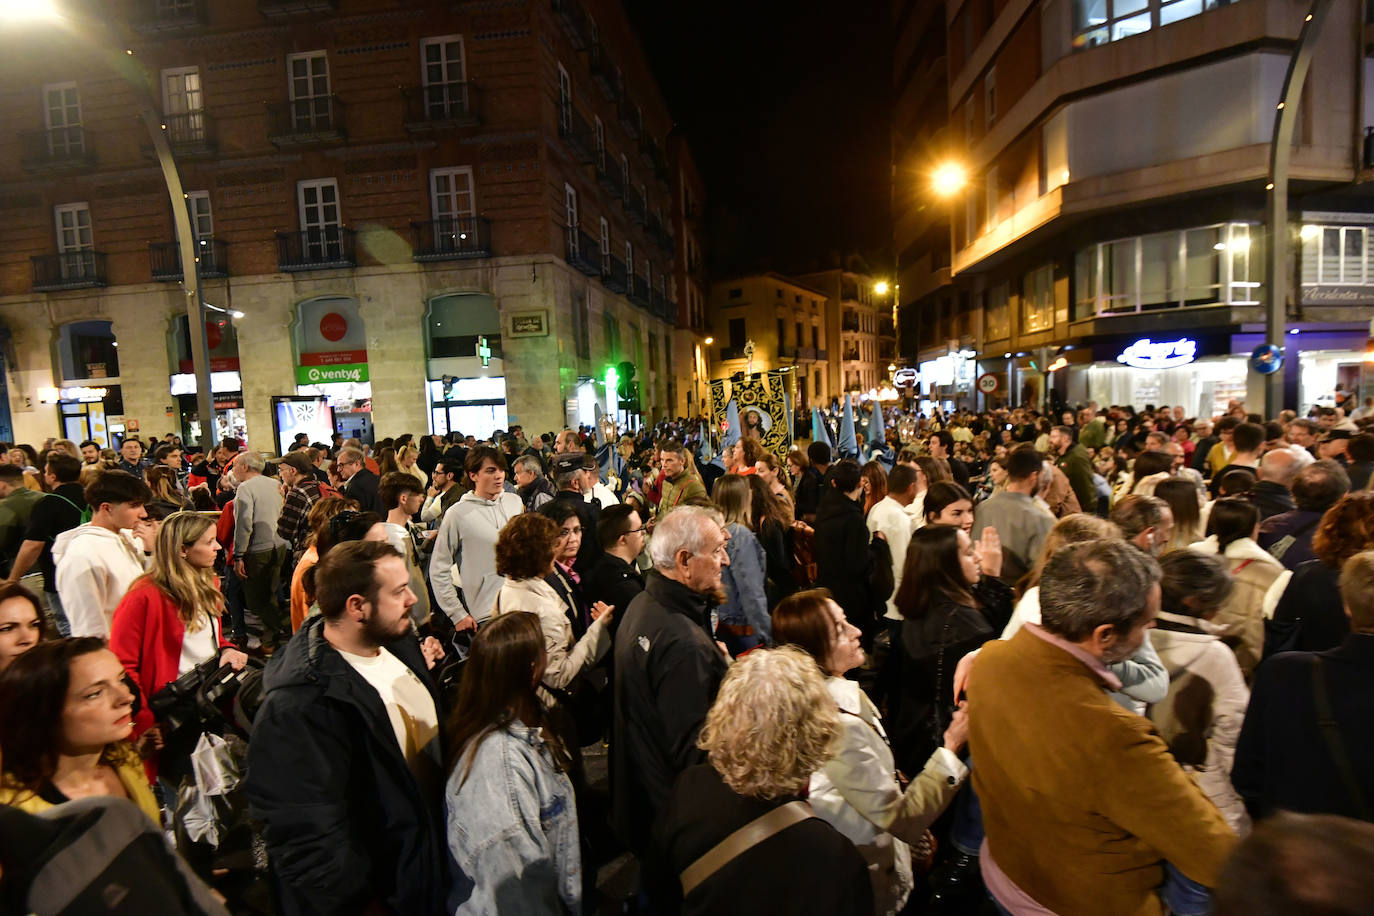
987, 383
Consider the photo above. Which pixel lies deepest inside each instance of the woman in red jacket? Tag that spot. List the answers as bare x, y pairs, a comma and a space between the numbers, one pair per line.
169, 622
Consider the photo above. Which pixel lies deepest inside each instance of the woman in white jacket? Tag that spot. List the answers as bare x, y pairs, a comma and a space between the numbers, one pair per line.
525, 555
859, 791
1202, 715
1232, 528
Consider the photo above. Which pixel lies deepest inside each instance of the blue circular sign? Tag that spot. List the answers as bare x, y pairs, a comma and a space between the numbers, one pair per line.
1266, 359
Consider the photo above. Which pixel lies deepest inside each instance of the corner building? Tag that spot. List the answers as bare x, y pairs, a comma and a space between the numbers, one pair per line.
1113, 223
377, 188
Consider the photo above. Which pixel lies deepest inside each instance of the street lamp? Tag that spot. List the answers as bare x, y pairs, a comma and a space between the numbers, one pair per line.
880, 288
949, 179
708, 341
141, 83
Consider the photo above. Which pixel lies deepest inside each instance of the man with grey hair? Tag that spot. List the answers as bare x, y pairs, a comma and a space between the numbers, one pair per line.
1271, 494
531, 485
1084, 808
667, 668
259, 553
360, 484
1288, 535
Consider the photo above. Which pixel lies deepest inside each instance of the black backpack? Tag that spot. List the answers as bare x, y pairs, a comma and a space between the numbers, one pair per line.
95, 856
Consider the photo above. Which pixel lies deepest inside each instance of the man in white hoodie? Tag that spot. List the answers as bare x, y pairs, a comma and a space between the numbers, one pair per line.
98, 561
467, 538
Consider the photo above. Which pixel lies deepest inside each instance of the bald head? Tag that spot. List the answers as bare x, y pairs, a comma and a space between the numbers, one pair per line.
1280, 466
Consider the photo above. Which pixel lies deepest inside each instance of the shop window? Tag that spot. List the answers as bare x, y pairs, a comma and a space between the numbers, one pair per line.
88, 350
1037, 300
454, 323
1341, 258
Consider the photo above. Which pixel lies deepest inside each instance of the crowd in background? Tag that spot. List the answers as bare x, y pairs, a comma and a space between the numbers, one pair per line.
1125, 658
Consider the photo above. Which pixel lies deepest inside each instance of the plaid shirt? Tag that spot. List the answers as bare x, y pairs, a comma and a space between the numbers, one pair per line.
294, 525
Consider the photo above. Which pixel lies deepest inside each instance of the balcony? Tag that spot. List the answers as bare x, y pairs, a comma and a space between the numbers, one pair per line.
582, 251
442, 106
164, 260
453, 239
191, 136
662, 308
306, 122
849, 323
326, 248
732, 352
629, 117
800, 354
573, 19
283, 9
886, 328
634, 206
648, 150
166, 17
614, 276
640, 294
69, 270
851, 356
603, 74
59, 149
610, 179
577, 135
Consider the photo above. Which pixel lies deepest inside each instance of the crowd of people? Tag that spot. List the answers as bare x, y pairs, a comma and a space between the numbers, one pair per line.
1126, 659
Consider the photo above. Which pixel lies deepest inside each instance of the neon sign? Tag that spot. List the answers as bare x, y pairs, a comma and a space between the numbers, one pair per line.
1148, 354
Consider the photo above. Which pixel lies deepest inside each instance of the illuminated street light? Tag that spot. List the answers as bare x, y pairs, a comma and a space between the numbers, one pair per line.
708, 341
28, 11
949, 179
880, 288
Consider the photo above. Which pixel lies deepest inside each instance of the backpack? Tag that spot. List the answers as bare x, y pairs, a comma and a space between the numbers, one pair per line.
97, 855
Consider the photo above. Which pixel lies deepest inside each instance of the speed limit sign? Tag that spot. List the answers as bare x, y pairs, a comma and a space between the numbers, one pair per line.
987, 383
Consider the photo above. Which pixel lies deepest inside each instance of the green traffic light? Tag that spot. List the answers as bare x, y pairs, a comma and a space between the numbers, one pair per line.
612, 376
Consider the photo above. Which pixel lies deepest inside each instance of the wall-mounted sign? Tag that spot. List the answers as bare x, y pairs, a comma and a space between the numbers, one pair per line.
987, 383
80, 394
905, 377
529, 324
319, 375
1150, 354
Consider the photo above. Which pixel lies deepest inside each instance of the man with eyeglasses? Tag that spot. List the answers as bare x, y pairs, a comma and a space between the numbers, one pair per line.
615, 578
568, 477
443, 492
360, 484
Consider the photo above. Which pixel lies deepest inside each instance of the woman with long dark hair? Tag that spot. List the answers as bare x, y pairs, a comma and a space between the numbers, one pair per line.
511, 819
947, 503
772, 519
65, 720
743, 617
1232, 527
951, 602
1182, 497
22, 624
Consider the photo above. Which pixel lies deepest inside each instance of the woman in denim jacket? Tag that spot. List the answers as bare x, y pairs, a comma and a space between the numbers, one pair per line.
511, 821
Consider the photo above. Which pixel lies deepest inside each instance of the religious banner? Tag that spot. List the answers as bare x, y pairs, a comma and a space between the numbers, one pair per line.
761, 400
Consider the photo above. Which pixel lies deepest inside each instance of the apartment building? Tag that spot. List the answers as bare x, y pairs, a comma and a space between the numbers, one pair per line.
432, 216
767, 321
861, 321
1111, 241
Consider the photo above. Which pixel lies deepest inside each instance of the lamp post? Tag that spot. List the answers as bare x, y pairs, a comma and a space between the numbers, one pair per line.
125, 64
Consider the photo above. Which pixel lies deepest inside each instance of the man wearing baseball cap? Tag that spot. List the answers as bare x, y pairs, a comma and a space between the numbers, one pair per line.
568, 480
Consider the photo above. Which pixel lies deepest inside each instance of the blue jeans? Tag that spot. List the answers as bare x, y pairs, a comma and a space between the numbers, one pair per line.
233, 603
1184, 896
58, 615
966, 832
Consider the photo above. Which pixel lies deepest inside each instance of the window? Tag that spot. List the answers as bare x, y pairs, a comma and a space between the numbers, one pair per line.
1206, 265
625, 170
737, 333
62, 117
994, 193
990, 97
443, 76
800, 339
318, 200
308, 87
582, 328
75, 247
600, 132
1341, 256
630, 265
605, 245
564, 100
202, 225
797, 300
183, 105
451, 195
782, 332
815, 337
1097, 22
1037, 300
653, 351
778, 292
968, 121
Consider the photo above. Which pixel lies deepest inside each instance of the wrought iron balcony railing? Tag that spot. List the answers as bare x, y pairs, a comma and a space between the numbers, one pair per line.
442, 105
451, 239
316, 249
164, 259
303, 122
69, 270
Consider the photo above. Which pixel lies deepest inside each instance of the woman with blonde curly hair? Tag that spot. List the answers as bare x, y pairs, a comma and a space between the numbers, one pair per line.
1309, 614
772, 725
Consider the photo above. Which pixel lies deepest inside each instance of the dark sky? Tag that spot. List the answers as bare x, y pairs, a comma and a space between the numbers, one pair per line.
785, 106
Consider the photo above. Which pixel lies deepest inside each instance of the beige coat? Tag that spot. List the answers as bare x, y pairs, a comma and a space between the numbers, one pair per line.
1240, 622
857, 793
1201, 717
565, 658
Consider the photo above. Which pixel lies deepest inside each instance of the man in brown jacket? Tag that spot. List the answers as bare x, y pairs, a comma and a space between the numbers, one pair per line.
1082, 803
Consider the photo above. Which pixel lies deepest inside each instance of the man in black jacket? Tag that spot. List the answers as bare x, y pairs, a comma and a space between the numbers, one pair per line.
345, 766
567, 477
360, 484
941, 448
847, 558
1287, 756
1271, 494
667, 669
614, 578
1288, 535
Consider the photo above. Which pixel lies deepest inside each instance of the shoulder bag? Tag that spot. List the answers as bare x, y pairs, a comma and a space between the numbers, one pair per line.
741, 841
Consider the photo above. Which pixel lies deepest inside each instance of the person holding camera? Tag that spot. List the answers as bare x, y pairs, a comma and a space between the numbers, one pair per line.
168, 623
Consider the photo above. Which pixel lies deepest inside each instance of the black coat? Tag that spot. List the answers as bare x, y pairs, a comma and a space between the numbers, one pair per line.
1311, 606
849, 560
667, 671
1282, 758
1271, 498
613, 581
362, 488
347, 822
808, 493
1301, 524
589, 513
807, 868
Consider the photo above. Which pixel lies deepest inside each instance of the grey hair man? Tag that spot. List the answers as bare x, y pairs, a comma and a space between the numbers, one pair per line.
667, 668
259, 552
1040, 720
1272, 493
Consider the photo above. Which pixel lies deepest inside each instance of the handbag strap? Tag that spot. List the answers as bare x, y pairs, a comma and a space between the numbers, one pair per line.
742, 840
1335, 744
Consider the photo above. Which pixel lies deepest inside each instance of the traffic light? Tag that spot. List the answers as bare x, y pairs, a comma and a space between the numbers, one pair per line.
612, 376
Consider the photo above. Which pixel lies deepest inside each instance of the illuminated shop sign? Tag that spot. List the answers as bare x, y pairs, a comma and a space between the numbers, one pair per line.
1163, 354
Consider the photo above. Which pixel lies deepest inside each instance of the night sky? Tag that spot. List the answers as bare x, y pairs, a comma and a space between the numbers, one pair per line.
785, 107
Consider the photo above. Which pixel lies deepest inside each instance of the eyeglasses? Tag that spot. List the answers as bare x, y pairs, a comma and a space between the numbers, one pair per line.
564, 532
635, 530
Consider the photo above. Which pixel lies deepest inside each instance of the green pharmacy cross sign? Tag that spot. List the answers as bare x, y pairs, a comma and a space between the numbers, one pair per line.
483, 351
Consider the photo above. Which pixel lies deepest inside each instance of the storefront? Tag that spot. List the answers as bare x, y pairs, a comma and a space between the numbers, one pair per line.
226, 384
88, 398
948, 381
1201, 373
466, 385
331, 362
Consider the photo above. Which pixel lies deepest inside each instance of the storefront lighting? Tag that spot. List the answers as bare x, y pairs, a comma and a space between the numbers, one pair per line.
1293, 331
1006, 356
708, 341
1058, 364
1219, 246
48, 396
1149, 354
1308, 233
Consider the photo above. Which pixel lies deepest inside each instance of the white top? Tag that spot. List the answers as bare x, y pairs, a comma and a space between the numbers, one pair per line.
408, 702
197, 647
890, 517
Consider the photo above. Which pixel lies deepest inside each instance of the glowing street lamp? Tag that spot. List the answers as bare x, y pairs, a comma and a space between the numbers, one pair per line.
15, 12
880, 288
949, 179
